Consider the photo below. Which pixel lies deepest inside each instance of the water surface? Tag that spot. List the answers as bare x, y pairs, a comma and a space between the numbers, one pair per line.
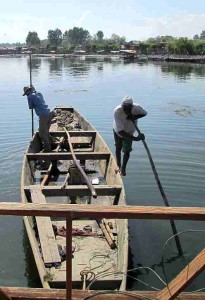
173, 95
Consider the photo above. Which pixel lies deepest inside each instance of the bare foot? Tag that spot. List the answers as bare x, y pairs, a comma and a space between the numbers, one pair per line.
118, 171
122, 172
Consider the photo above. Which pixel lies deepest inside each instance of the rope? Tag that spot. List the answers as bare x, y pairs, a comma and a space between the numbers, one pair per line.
163, 250
117, 293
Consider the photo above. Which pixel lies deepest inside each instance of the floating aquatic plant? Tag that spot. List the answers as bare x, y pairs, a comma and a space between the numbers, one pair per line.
70, 91
181, 110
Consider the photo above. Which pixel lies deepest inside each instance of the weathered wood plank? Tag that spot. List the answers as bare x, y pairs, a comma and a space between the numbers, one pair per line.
185, 277
81, 190
4, 295
68, 156
73, 133
18, 293
79, 145
45, 230
114, 212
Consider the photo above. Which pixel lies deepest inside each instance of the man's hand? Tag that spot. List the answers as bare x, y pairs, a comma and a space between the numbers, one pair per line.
140, 137
131, 117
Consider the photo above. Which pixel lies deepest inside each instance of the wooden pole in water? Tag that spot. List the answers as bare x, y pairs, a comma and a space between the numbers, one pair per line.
174, 230
32, 118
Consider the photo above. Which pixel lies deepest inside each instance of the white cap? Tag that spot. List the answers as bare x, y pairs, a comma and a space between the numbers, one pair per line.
127, 100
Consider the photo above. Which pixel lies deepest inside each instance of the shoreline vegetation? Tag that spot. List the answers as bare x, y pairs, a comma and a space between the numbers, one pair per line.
79, 42
137, 57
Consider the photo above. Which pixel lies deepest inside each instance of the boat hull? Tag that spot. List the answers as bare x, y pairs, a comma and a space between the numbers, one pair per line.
90, 250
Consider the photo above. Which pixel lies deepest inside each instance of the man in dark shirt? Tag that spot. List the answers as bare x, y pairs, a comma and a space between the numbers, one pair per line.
37, 102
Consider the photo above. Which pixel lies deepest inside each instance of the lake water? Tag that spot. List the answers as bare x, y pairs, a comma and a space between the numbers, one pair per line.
173, 95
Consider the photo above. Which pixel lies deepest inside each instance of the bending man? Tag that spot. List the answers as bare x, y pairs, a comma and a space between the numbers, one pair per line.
37, 102
125, 115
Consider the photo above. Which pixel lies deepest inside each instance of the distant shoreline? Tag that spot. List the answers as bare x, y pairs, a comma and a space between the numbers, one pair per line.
178, 58
144, 57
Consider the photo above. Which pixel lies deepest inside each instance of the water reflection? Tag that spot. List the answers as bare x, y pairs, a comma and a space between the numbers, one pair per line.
76, 67
35, 63
56, 66
81, 66
183, 70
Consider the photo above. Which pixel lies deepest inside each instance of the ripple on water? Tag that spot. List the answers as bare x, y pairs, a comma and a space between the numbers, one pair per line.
174, 134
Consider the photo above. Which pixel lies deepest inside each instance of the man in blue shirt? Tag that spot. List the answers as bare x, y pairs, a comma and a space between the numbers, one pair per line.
37, 102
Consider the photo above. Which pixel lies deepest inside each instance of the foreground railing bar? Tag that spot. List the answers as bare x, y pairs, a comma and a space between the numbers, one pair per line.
18, 293
72, 211
117, 212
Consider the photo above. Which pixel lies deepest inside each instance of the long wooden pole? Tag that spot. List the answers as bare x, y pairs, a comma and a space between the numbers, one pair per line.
32, 117
89, 184
173, 226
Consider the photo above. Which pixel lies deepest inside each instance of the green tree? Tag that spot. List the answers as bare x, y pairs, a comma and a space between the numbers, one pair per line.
76, 36
55, 37
200, 47
185, 46
172, 48
100, 35
143, 47
151, 47
159, 39
116, 39
32, 39
196, 37
202, 35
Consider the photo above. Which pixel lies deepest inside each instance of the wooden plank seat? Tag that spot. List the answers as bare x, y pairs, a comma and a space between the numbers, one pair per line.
48, 244
60, 133
81, 142
68, 156
80, 190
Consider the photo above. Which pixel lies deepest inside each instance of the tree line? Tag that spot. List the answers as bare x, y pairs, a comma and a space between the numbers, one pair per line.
172, 45
74, 38
80, 38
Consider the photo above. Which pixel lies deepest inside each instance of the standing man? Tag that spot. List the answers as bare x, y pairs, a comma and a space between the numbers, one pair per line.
37, 102
125, 115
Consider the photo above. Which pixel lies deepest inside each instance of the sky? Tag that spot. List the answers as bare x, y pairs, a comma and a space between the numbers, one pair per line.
134, 19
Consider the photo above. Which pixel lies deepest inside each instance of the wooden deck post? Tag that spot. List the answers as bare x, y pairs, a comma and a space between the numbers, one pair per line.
69, 257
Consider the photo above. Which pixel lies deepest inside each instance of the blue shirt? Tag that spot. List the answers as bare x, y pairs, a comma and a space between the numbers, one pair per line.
36, 101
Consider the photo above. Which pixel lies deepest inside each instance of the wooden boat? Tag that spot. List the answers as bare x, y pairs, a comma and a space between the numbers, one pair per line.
88, 176
128, 54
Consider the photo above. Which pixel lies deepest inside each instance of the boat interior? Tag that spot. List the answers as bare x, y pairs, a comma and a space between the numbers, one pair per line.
86, 174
